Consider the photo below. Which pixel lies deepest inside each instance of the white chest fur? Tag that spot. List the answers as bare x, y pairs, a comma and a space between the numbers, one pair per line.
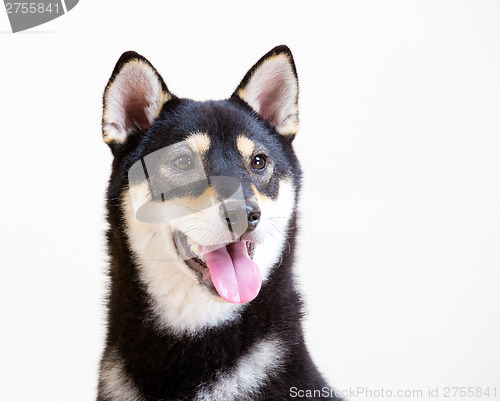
251, 372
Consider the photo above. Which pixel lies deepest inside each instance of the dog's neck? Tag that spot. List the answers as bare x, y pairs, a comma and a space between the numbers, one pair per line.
273, 317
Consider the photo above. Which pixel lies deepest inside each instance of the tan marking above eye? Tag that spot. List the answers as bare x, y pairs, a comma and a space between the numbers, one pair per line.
245, 146
199, 142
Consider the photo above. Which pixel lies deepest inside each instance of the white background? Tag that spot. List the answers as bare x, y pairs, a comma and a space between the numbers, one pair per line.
400, 145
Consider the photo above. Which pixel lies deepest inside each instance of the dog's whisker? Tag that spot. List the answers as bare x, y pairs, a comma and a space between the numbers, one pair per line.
191, 209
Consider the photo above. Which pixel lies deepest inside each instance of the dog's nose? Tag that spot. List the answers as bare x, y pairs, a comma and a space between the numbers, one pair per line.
241, 216
253, 214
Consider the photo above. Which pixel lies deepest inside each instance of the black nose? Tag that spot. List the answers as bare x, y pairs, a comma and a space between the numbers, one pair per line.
241, 217
253, 214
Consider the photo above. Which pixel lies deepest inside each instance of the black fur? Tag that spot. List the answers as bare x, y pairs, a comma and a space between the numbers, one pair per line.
168, 367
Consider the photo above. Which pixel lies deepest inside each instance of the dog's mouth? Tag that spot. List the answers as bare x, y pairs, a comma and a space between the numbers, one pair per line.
225, 269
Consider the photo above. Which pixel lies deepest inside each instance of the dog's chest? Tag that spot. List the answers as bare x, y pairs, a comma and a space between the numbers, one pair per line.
252, 371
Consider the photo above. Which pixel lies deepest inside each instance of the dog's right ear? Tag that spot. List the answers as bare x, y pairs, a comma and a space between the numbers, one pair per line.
271, 89
133, 98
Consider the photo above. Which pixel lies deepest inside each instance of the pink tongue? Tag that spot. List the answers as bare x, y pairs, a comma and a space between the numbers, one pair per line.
235, 276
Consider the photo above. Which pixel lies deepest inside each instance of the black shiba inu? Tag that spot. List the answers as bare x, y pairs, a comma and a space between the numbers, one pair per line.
202, 224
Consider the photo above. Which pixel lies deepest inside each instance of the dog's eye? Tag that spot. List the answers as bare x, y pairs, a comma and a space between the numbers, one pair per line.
184, 162
259, 162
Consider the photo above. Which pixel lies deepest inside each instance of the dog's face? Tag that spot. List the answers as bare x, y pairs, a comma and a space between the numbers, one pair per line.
206, 189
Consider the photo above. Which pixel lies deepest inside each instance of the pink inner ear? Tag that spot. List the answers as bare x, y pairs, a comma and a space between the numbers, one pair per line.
272, 91
133, 100
270, 101
135, 114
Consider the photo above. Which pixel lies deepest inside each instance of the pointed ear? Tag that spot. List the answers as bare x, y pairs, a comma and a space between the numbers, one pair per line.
133, 98
271, 88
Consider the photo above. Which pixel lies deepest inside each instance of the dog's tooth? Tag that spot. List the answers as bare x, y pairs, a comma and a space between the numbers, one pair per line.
196, 249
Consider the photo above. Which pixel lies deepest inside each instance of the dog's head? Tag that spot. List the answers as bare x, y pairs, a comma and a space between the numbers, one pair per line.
206, 189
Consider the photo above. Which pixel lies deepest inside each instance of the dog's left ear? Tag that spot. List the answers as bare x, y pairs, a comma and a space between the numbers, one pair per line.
271, 88
133, 99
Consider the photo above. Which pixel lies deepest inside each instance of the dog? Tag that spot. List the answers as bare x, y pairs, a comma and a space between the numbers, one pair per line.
202, 213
